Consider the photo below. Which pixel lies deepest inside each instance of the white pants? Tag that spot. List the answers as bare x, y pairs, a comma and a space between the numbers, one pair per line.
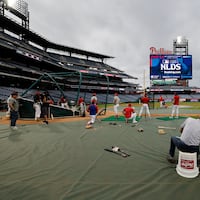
65, 105
145, 107
82, 109
115, 107
92, 119
161, 104
133, 116
37, 108
175, 109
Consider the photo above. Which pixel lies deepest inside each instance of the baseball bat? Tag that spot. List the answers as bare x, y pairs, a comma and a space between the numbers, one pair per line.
167, 127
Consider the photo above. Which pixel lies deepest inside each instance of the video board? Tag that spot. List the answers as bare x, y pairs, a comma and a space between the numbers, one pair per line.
170, 67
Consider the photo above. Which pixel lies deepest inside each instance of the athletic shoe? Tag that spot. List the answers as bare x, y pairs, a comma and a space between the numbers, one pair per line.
134, 122
14, 127
46, 122
171, 117
171, 159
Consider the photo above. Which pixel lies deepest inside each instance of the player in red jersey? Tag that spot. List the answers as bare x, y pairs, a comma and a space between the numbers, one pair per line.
161, 101
175, 107
145, 105
129, 113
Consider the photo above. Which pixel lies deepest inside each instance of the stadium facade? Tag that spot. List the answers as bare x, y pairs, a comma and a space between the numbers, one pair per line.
25, 56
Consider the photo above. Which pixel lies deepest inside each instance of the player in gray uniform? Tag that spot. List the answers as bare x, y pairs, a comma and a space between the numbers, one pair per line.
116, 102
14, 108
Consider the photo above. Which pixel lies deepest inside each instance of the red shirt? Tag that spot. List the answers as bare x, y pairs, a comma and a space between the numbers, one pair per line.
62, 100
81, 100
145, 100
128, 111
161, 98
176, 100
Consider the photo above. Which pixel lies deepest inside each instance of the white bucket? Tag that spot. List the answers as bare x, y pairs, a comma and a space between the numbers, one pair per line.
187, 165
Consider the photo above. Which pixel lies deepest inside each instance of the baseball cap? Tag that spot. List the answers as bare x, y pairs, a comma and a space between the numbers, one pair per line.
14, 93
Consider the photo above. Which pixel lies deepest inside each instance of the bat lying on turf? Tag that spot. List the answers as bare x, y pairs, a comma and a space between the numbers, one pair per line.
117, 151
167, 127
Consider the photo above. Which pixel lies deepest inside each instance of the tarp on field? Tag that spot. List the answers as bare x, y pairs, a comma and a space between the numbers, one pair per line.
65, 161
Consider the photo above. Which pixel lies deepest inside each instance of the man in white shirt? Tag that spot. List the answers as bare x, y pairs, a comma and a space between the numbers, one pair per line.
94, 98
188, 141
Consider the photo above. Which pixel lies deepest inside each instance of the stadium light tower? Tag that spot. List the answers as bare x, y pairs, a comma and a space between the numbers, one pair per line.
19, 8
180, 46
11, 3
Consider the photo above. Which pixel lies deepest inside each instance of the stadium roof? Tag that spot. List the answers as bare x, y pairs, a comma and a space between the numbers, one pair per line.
17, 28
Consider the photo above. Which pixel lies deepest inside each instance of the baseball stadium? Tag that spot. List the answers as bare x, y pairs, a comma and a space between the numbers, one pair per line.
72, 158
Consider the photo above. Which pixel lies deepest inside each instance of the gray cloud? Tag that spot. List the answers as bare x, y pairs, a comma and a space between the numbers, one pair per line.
125, 29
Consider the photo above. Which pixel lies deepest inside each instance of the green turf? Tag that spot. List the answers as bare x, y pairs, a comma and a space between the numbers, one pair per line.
120, 118
168, 118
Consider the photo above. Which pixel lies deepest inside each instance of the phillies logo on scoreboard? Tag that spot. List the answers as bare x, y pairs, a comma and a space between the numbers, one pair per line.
160, 51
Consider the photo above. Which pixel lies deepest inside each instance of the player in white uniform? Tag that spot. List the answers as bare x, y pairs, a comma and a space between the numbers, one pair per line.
116, 102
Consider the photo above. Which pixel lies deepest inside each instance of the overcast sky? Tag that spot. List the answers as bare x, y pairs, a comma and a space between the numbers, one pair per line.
124, 29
